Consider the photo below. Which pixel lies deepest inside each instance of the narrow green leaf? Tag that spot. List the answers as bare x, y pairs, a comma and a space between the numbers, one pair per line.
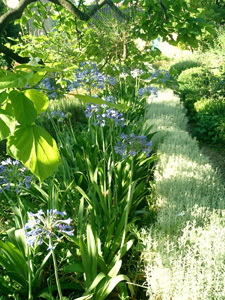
96, 281
7, 124
36, 149
84, 297
92, 251
24, 110
89, 99
111, 284
115, 270
39, 99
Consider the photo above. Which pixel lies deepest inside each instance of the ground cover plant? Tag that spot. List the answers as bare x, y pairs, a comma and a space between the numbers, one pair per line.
184, 249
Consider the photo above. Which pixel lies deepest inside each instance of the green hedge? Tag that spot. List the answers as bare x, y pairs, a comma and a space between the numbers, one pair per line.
181, 66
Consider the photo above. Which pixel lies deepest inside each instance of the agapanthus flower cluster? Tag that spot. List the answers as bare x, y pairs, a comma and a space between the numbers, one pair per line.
110, 99
47, 84
102, 115
162, 75
110, 80
148, 91
89, 76
58, 115
50, 226
131, 145
13, 176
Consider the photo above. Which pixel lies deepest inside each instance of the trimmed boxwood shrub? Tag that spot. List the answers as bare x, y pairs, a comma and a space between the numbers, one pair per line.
178, 68
210, 106
193, 84
194, 81
210, 120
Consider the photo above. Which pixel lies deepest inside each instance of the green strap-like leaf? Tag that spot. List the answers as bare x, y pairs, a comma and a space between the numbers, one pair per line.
36, 149
7, 124
24, 110
89, 99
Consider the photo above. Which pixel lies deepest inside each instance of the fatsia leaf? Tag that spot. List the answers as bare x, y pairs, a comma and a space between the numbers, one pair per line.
3, 96
24, 110
14, 80
39, 99
36, 149
7, 124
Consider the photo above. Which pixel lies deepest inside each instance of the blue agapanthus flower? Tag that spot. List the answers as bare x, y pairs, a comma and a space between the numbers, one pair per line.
103, 115
58, 115
130, 145
148, 91
13, 176
50, 226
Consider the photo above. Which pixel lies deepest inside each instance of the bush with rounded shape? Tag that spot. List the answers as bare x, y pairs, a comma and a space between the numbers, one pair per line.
194, 81
180, 66
210, 106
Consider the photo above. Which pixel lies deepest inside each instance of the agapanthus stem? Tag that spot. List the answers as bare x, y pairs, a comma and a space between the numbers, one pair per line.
30, 297
56, 274
129, 202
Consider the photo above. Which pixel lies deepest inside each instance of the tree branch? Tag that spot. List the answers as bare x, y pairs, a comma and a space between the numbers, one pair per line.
13, 14
13, 55
17, 12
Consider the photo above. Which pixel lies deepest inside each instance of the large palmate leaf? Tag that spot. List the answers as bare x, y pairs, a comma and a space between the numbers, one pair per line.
14, 80
39, 99
3, 96
36, 149
89, 99
7, 124
24, 110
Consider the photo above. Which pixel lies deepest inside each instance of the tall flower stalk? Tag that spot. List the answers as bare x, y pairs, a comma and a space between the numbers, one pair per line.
41, 227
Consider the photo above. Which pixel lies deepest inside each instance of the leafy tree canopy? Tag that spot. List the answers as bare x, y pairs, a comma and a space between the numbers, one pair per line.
148, 19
